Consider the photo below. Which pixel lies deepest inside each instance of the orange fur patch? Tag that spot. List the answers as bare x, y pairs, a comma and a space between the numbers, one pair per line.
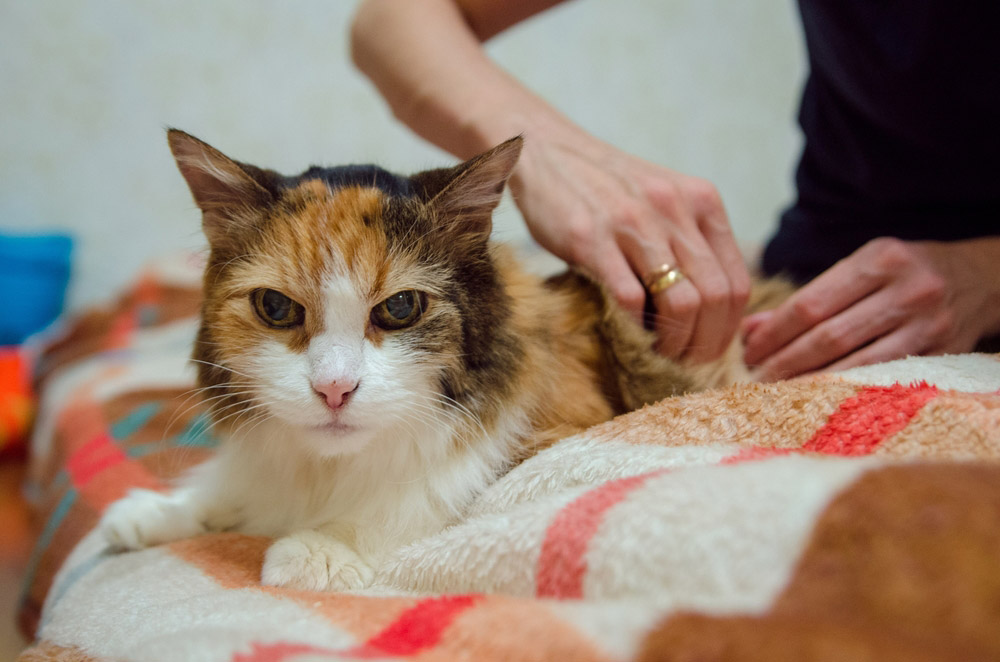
320, 234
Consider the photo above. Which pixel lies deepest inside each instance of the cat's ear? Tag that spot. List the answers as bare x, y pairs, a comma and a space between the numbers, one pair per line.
465, 196
229, 194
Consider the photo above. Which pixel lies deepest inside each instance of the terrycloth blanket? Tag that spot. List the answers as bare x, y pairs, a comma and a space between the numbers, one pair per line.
850, 517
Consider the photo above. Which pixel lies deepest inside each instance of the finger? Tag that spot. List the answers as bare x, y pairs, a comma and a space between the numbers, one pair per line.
614, 271
751, 322
833, 291
835, 338
676, 315
718, 233
715, 322
902, 342
676, 308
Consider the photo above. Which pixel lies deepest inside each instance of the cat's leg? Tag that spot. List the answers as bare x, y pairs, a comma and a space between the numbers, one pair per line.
316, 561
145, 517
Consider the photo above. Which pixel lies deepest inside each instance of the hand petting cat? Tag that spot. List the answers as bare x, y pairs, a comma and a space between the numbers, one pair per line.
628, 222
890, 298
620, 218
617, 217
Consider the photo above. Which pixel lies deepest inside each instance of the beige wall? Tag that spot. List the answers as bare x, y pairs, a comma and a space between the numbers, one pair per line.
86, 88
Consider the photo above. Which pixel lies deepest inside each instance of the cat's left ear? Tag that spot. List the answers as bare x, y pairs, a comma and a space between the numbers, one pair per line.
465, 196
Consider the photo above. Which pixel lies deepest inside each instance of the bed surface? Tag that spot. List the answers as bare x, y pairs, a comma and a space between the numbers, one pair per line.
840, 517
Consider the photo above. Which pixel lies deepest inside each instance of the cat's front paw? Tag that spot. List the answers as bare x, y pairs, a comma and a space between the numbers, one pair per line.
145, 518
312, 561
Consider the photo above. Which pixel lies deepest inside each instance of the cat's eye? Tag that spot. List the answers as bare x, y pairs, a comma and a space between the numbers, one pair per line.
276, 309
400, 310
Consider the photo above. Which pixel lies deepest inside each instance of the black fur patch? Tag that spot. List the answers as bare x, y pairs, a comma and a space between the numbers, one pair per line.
365, 176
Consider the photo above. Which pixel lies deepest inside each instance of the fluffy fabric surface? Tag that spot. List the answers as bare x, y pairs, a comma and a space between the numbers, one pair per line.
828, 518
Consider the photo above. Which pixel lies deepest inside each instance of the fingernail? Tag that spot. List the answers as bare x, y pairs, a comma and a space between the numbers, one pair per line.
751, 322
751, 352
764, 376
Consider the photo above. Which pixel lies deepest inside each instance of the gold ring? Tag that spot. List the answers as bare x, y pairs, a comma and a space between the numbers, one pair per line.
662, 278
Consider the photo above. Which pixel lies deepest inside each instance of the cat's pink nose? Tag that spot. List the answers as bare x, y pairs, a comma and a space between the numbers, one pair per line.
335, 393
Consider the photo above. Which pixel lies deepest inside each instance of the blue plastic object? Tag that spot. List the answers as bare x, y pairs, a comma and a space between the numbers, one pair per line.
34, 273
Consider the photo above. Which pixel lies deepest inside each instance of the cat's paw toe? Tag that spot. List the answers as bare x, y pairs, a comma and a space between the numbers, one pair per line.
312, 561
145, 518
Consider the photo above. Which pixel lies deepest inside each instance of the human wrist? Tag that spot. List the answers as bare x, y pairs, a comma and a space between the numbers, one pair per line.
972, 264
500, 113
986, 252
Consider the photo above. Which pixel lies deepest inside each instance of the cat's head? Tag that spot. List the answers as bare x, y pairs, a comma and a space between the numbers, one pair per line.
350, 303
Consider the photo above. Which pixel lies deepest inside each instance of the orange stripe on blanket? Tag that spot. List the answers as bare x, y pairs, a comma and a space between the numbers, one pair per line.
859, 425
278, 651
562, 562
82, 419
503, 628
234, 561
114, 483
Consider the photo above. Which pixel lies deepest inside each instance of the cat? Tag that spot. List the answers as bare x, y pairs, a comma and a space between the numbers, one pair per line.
373, 361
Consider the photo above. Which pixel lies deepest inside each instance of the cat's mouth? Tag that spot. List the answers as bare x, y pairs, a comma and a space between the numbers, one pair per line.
335, 427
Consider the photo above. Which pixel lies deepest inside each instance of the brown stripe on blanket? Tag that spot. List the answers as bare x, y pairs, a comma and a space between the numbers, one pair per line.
783, 415
903, 565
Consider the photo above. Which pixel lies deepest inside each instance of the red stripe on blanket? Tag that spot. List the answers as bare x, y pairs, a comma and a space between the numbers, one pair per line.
123, 326
92, 458
418, 628
414, 631
562, 562
859, 425
863, 422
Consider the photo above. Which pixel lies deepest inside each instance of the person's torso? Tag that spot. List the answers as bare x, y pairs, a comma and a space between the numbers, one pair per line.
901, 117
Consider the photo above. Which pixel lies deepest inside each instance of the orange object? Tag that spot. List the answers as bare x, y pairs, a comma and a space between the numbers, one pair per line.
17, 402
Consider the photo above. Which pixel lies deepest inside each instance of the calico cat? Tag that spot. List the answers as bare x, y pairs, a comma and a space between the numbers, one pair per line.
373, 361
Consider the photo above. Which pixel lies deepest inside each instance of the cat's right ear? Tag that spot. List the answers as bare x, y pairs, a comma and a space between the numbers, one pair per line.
464, 197
229, 194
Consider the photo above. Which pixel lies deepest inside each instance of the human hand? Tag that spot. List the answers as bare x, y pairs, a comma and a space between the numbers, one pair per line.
887, 300
619, 218
613, 215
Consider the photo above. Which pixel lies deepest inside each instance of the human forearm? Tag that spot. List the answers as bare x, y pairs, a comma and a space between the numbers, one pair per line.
426, 60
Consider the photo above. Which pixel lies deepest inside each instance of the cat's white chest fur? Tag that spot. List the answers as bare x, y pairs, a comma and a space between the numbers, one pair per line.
333, 518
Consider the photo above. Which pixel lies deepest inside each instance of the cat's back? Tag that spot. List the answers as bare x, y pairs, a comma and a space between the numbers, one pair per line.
586, 359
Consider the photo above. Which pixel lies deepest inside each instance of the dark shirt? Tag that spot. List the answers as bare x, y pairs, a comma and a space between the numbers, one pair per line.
901, 118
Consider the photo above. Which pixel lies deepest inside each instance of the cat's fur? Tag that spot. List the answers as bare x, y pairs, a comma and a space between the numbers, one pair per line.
499, 365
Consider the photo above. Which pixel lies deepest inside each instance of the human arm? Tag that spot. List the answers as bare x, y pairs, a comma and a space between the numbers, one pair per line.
888, 299
614, 215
